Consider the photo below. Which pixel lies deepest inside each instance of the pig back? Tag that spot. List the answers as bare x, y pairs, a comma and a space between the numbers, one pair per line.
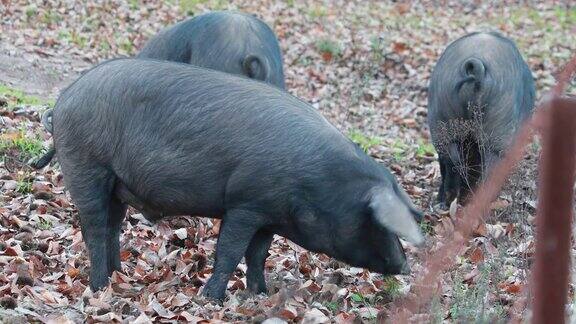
219, 40
182, 126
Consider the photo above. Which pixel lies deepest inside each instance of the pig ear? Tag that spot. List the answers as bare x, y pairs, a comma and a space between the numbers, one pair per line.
255, 67
418, 216
392, 213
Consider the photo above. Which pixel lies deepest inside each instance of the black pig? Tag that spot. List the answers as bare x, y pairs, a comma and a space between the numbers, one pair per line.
183, 140
480, 92
226, 41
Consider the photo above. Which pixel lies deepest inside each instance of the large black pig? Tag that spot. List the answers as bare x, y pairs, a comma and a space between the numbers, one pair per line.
227, 41
480, 92
232, 42
183, 140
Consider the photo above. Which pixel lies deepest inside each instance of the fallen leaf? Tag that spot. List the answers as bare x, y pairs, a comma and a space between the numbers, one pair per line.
511, 288
142, 319
399, 47
181, 233
315, 316
288, 312
125, 255
480, 230
476, 256
470, 276
402, 8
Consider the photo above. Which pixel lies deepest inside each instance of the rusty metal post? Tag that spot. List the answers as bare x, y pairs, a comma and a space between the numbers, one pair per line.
554, 216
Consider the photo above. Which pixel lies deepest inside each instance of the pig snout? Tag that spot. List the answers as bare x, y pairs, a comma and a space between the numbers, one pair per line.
405, 270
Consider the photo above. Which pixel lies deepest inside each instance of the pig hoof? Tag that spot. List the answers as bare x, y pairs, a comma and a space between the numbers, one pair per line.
213, 294
97, 286
258, 288
441, 207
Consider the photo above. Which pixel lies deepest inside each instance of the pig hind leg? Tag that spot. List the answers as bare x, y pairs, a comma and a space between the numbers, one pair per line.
236, 232
451, 181
473, 170
442, 190
256, 258
100, 217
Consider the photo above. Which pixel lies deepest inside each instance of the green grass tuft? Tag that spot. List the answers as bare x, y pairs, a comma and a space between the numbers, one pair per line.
31, 11
26, 147
24, 185
317, 12
425, 149
15, 97
426, 227
45, 224
357, 297
399, 150
391, 287
469, 301
566, 17
190, 7
365, 142
332, 306
328, 46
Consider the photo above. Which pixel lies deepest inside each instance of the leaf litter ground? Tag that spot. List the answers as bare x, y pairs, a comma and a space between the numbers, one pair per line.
364, 65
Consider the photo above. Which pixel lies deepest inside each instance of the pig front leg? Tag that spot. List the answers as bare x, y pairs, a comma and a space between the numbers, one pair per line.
116, 213
237, 230
255, 259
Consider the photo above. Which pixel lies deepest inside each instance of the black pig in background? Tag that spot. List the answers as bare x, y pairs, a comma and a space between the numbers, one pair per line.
481, 91
226, 41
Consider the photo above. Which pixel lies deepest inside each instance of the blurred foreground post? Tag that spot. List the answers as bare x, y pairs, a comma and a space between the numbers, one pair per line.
554, 216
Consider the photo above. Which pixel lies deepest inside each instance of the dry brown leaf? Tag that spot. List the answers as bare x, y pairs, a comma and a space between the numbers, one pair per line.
480, 230
476, 255
344, 318
470, 276
288, 312
125, 255
180, 300
327, 56
315, 316
510, 229
399, 47
11, 136
511, 288
402, 8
